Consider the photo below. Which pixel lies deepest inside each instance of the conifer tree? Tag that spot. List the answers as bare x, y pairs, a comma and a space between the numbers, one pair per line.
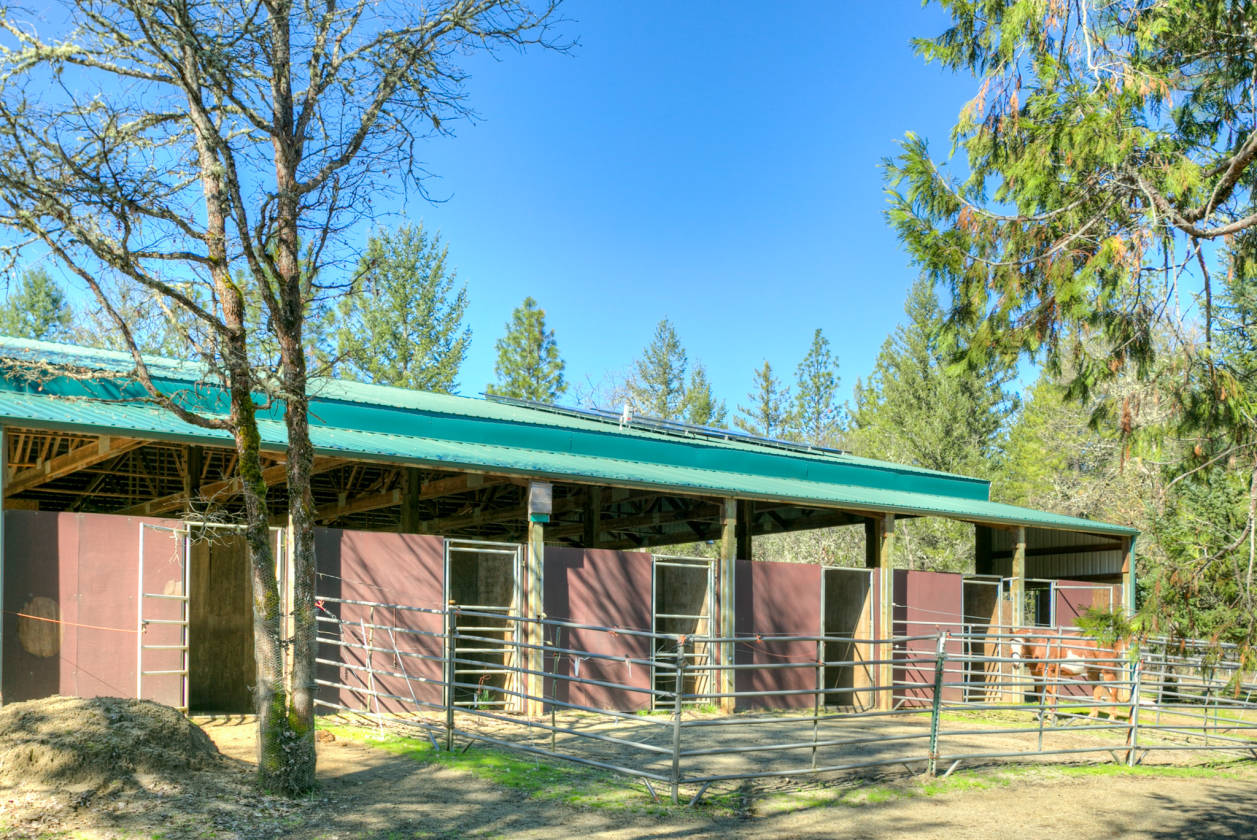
529, 366
914, 409
402, 323
817, 415
35, 308
658, 385
701, 407
768, 414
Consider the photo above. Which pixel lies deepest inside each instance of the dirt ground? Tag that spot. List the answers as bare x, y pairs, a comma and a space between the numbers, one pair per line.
367, 792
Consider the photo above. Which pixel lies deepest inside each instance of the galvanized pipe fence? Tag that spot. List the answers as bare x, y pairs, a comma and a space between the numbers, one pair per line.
641, 703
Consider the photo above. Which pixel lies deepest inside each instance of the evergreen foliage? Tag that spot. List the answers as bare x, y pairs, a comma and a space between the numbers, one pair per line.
914, 409
529, 366
35, 308
817, 416
1110, 164
769, 413
701, 407
402, 321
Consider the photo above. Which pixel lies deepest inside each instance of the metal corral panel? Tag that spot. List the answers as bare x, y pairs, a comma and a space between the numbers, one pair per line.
607, 589
1063, 563
382, 568
70, 623
778, 599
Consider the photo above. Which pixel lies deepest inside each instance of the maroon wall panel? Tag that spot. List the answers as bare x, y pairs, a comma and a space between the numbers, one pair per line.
86, 564
777, 599
1071, 603
608, 589
926, 603
381, 568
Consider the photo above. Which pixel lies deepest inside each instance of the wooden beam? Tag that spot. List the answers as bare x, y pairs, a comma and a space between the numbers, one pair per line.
76, 459
221, 491
886, 610
451, 486
592, 528
624, 523
983, 557
1090, 548
410, 501
727, 597
746, 521
1017, 586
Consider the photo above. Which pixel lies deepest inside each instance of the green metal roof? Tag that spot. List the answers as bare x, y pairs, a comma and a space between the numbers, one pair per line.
396, 425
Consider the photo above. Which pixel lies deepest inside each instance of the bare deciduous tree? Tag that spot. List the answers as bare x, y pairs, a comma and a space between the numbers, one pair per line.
215, 153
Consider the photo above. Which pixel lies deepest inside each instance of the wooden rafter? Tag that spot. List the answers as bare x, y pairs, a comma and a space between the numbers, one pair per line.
76, 459
431, 490
220, 491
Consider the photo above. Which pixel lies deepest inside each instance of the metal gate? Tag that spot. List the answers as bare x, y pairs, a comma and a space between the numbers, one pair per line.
484, 578
695, 623
161, 652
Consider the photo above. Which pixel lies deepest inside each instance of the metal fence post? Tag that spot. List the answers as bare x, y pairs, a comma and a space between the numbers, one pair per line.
940, 658
678, 693
820, 690
1133, 736
451, 624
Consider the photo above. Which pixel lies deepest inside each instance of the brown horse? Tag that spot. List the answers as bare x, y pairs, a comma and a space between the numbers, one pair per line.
1050, 656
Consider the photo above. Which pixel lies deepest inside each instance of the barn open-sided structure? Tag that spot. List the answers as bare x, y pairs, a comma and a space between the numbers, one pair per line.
122, 573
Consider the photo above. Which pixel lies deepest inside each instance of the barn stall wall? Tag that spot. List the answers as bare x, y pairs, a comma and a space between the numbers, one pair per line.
777, 599
1075, 597
81, 570
924, 604
381, 568
608, 589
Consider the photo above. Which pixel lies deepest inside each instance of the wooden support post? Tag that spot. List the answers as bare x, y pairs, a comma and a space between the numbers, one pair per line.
885, 610
726, 684
591, 517
983, 561
746, 514
1017, 586
193, 460
410, 501
540, 503
872, 542
1128, 576
535, 659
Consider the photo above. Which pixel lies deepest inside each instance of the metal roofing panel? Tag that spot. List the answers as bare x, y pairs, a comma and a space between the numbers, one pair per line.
149, 420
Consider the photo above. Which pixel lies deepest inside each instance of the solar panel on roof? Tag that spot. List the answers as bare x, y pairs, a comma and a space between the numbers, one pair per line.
669, 427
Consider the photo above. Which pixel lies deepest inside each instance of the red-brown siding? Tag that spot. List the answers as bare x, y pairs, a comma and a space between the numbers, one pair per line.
383, 568
609, 589
87, 564
926, 603
782, 599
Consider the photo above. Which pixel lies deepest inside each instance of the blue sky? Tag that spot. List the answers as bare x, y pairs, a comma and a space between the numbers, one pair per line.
713, 163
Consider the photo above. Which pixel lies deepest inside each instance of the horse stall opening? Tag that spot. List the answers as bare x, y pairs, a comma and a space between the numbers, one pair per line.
380, 620
221, 669
847, 613
683, 603
777, 599
601, 588
484, 578
981, 595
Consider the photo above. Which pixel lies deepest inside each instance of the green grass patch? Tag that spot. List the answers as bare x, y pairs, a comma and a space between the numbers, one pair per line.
537, 777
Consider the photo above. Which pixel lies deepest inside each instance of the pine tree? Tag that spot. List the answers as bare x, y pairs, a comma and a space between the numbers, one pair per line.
914, 409
402, 322
528, 366
658, 385
768, 414
701, 408
36, 308
817, 415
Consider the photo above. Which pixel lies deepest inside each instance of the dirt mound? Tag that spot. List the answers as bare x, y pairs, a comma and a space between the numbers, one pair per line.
97, 743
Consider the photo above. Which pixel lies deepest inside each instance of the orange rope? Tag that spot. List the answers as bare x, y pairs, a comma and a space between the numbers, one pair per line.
71, 623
